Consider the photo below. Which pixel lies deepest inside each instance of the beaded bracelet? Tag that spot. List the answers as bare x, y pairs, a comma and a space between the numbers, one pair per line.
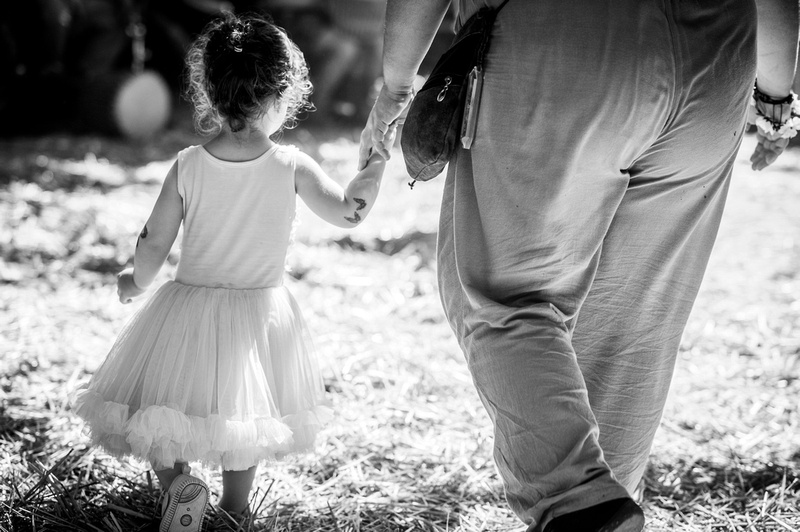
773, 126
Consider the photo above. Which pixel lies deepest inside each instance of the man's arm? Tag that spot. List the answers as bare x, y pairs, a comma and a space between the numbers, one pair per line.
411, 26
778, 35
778, 23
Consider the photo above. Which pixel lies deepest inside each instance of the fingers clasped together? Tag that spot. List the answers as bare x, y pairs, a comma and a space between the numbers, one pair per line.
380, 132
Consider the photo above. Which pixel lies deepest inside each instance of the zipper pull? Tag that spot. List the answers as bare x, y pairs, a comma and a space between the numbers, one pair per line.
447, 81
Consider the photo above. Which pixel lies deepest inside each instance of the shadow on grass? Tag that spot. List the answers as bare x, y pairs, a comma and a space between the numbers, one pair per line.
23, 435
75, 493
686, 480
740, 493
419, 243
53, 484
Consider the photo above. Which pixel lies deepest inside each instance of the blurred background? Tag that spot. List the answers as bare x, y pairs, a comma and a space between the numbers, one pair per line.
116, 66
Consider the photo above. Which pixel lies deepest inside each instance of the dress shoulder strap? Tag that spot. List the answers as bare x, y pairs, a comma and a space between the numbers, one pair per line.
289, 152
186, 166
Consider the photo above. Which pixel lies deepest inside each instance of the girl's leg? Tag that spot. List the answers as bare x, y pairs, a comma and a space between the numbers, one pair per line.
236, 486
167, 476
184, 500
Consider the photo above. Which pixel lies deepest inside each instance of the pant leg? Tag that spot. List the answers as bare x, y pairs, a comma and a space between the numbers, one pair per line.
655, 253
573, 96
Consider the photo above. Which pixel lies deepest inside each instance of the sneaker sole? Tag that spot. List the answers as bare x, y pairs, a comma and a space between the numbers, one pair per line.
187, 505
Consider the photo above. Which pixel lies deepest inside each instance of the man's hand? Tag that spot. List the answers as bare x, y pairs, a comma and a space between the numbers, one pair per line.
380, 132
767, 151
126, 288
770, 145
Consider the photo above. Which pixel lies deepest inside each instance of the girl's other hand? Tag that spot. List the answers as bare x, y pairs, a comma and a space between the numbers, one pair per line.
126, 288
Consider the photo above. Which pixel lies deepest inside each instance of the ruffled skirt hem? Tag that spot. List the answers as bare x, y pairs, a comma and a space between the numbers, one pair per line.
163, 435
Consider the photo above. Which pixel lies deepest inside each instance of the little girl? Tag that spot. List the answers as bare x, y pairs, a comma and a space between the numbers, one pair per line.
214, 367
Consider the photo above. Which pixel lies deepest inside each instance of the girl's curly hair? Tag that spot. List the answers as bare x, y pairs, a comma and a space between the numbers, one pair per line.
240, 64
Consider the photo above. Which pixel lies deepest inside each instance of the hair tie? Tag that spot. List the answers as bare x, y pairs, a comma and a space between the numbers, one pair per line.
239, 32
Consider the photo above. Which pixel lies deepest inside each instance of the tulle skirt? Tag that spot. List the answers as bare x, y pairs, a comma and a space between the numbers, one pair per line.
218, 375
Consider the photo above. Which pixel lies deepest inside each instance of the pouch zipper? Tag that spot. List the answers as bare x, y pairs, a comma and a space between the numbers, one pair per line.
447, 81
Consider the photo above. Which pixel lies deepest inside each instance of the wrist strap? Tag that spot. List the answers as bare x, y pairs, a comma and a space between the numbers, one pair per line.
761, 97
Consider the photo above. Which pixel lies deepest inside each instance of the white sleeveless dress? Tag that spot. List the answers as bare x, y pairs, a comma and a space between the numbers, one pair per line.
216, 366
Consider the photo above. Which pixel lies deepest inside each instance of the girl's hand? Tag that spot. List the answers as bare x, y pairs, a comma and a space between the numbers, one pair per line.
126, 288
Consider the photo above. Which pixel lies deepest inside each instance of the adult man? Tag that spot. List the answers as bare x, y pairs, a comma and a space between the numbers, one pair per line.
575, 232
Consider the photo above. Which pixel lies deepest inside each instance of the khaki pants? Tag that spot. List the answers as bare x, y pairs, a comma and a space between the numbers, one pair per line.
575, 233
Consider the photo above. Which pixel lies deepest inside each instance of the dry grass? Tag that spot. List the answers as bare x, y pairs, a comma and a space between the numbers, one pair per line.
411, 449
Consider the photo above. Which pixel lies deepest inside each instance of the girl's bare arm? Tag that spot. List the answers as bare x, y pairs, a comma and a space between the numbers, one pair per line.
155, 240
343, 207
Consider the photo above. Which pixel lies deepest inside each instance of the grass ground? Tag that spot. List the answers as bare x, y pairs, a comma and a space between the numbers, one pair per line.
411, 449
